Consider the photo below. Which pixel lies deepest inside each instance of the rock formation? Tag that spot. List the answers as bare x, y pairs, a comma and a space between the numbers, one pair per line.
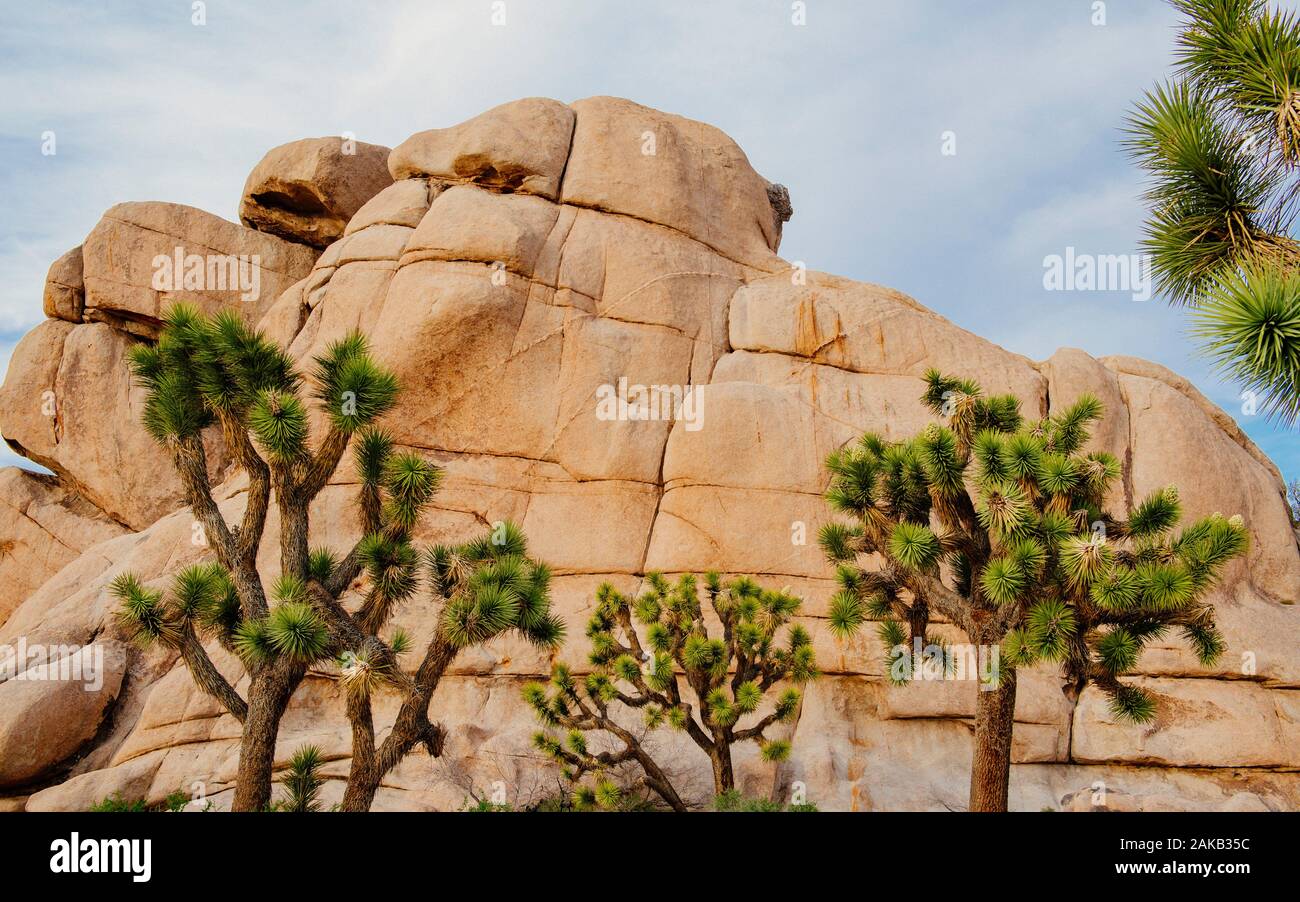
516, 269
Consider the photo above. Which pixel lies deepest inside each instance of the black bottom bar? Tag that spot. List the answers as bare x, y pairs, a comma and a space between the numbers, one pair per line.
338, 852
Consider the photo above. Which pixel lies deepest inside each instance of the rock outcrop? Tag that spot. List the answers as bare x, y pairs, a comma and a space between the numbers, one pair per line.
142, 257
65, 290
307, 190
44, 528
529, 265
49, 710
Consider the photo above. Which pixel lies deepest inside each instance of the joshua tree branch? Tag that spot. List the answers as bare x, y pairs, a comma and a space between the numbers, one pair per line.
249, 534
206, 676
350, 567
191, 462
756, 731
324, 462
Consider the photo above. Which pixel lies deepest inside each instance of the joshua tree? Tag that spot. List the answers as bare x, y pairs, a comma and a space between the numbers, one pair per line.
216, 371
998, 524
726, 678
486, 587
1221, 143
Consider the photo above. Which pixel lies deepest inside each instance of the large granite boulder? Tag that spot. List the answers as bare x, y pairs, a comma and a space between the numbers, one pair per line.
142, 257
524, 274
307, 190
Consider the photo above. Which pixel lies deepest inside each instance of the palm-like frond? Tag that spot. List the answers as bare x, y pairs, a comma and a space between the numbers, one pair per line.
1250, 324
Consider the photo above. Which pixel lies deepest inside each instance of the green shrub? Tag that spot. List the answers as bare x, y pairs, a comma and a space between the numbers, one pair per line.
175, 801
115, 803
732, 800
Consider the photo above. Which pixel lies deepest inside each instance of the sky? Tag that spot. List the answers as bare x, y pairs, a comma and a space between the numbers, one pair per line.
945, 148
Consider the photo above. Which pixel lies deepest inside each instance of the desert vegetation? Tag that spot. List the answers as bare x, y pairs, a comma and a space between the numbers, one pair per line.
709, 687
999, 524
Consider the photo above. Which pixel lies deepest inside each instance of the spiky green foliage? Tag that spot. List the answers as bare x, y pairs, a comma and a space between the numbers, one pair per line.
296, 630
491, 587
202, 598
142, 613
252, 642
1024, 553
391, 564
681, 676
410, 481
400, 641
372, 451
351, 387
1249, 324
321, 563
1221, 144
278, 420
205, 365
303, 781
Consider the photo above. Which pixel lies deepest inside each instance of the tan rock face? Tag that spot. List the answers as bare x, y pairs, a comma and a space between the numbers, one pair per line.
50, 709
69, 403
45, 527
597, 340
307, 190
520, 146
142, 257
672, 171
65, 293
1199, 723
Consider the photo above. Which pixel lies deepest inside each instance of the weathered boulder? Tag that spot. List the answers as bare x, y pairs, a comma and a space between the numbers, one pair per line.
307, 190
142, 257
49, 710
673, 171
518, 146
65, 293
1199, 722
44, 528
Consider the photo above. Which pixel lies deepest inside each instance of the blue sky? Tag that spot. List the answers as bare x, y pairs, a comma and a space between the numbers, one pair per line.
848, 110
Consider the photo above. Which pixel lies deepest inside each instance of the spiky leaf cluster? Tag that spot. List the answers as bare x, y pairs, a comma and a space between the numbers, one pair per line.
491, 587
303, 781
203, 367
201, 599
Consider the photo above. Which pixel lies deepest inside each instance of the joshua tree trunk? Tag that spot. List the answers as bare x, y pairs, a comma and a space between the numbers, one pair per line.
363, 776
723, 776
991, 763
411, 728
363, 783
269, 695
658, 781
